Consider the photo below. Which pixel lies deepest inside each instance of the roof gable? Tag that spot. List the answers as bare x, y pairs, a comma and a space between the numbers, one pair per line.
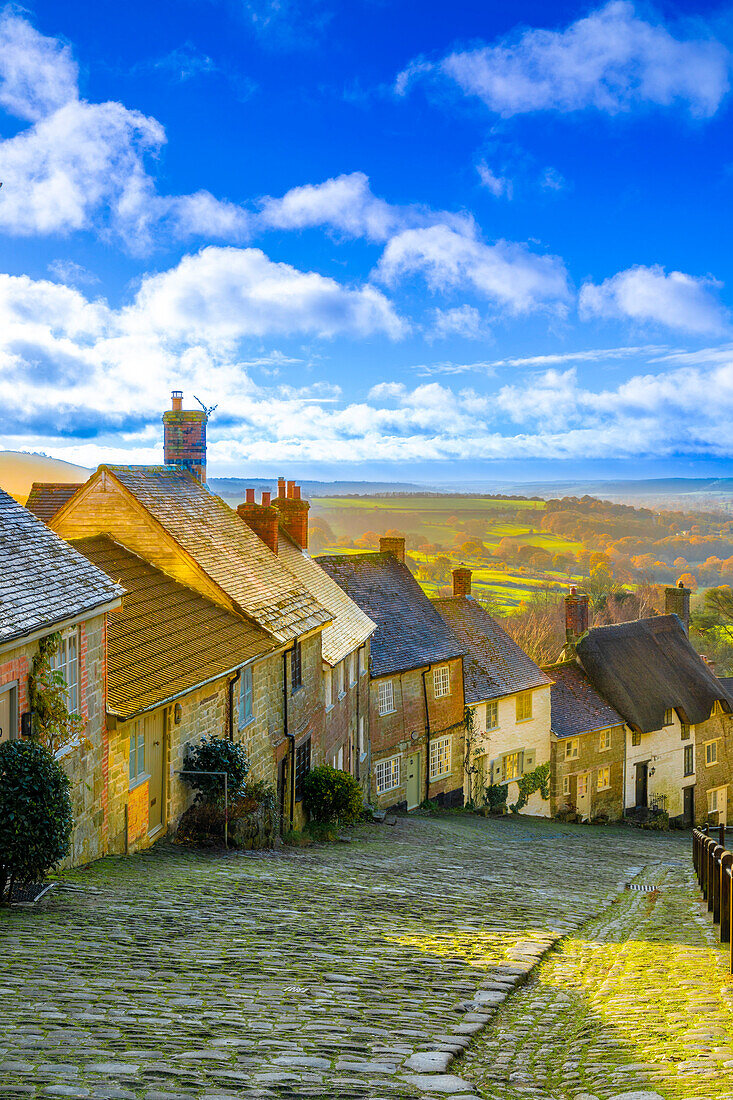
575, 705
43, 580
494, 664
410, 632
647, 666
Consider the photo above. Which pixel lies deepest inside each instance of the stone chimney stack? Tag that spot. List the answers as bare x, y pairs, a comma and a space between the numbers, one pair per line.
184, 437
677, 602
293, 511
260, 518
462, 581
392, 545
577, 615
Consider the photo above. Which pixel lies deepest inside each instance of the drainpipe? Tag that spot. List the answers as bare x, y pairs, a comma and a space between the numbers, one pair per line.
290, 736
232, 682
358, 711
427, 734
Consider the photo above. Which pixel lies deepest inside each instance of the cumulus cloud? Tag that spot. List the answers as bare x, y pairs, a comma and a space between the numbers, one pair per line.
611, 60
648, 295
499, 186
508, 274
464, 321
82, 165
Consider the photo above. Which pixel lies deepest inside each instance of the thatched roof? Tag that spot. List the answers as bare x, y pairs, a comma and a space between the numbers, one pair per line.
648, 666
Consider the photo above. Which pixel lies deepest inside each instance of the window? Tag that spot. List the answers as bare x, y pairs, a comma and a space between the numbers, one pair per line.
246, 712
302, 766
582, 786
386, 698
492, 716
328, 685
571, 748
711, 753
137, 753
689, 760
511, 766
340, 759
66, 661
684, 731
352, 668
604, 779
387, 774
604, 741
566, 786
713, 800
296, 666
340, 679
524, 706
439, 757
362, 663
668, 717
8, 712
635, 738
362, 750
441, 681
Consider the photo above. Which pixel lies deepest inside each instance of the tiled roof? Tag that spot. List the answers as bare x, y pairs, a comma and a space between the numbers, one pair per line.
47, 497
647, 666
576, 707
494, 664
224, 548
351, 627
410, 631
43, 580
167, 638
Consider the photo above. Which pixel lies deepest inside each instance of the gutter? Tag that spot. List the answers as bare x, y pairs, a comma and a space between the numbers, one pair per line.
427, 733
61, 624
186, 691
290, 736
232, 682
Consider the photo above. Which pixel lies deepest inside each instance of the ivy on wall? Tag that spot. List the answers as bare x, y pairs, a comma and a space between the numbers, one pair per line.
538, 780
54, 726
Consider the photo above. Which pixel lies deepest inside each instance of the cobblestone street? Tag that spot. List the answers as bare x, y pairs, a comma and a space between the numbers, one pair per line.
358, 970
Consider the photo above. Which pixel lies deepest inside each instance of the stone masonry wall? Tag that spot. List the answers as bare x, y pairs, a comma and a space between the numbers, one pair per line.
591, 757
720, 774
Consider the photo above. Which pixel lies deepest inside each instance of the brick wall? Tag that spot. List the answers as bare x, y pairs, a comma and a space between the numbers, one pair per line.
590, 760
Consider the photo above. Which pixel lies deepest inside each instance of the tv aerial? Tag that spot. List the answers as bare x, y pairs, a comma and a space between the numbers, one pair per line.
206, 409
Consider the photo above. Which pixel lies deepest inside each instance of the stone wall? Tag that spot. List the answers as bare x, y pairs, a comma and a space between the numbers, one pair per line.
719, 728
607, 802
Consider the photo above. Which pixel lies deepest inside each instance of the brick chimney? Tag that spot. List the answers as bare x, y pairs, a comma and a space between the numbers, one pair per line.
293, 511
391, 545
677, 602
184, 437
462, 581
262, 518
577, 616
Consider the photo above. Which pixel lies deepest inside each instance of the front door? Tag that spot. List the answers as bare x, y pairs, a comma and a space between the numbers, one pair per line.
154, 761
583, 806
7, 714
689, 806
412, 780
641, 785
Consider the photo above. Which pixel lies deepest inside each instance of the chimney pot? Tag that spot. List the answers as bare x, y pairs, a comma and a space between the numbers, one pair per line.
266, 498
250, 494
291, 490
393, 545
296, 492
176, 400
462, 581
281, 486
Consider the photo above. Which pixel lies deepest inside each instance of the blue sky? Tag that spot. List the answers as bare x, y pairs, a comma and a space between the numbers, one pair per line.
491, 241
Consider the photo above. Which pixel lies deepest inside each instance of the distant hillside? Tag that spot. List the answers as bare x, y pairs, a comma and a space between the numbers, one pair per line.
19, 470
233, 488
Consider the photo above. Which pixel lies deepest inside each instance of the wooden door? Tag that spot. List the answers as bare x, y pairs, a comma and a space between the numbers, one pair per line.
583, 803
641, 785
412, 780
689, 805
154, 762
8, 720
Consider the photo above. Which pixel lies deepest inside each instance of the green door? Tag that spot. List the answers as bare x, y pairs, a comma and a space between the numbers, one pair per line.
412, 780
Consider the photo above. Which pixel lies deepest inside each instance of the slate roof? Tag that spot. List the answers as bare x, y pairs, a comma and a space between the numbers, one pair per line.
224, 548
46, 498
43, 580
351, 627
410, 631
644, 667
494, 664
575, 705
167, 638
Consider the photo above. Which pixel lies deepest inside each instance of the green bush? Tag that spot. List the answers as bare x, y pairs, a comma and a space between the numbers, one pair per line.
332, 795
216, 754
496, 796
36, 816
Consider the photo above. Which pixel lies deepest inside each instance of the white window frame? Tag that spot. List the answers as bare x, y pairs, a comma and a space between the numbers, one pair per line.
516, 771
522, 698
572, 748
387, 774
136, 747
362, 662
440, 757
362, 749
352, 669
11, 690
441, 681
328, 684
68, 663
340, 679
492, 715
246, 693
604, 741
711, 753
566, 786
385, 698
713, 799
604, 786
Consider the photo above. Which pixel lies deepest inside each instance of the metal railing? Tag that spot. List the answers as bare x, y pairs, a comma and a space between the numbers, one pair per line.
713, 865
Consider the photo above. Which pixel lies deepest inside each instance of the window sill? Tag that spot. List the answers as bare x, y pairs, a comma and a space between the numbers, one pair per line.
437, 778
342, 695
599, 790
329, 707
523, 721
296, 690
139, 781
248, 722
386, 713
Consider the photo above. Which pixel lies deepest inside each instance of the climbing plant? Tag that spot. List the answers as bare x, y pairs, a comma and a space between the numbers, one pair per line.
54, 726
470, 765
538, 780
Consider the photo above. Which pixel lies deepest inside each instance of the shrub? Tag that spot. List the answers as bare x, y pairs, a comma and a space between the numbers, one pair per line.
332, 795
496, 796
215, 754
36, 816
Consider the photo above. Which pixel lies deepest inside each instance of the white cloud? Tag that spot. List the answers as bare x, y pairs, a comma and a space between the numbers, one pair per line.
507, 274
82, 165
499, 186
648, 295
551, 180
463, 321
384, 390
611, 60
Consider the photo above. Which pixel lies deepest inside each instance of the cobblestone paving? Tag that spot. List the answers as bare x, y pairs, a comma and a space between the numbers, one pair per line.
638, 1002
319, 973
